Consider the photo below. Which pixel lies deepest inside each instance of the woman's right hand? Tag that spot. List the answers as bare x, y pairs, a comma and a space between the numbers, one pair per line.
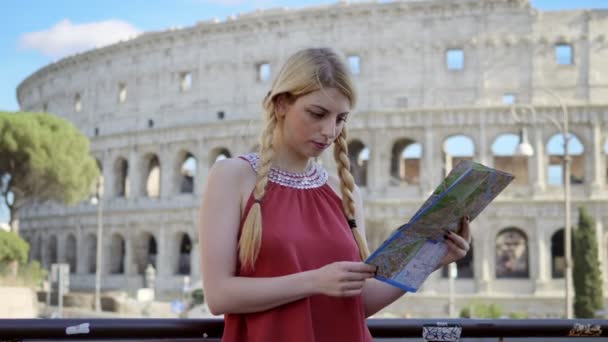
343, 278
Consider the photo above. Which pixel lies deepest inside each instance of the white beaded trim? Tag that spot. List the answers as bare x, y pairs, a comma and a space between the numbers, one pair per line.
316, 176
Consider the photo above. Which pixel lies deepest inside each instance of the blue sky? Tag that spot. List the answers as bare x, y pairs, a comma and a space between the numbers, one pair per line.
36, 33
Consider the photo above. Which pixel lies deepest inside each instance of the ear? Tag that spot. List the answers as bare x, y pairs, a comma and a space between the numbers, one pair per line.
281, 103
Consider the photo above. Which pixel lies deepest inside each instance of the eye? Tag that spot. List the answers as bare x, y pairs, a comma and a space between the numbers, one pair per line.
316, 115
342, 118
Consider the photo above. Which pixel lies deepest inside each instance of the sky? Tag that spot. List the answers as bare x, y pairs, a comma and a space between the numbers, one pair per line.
36, 33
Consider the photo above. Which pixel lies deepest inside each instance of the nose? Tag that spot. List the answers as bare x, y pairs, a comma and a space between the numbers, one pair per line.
329, 129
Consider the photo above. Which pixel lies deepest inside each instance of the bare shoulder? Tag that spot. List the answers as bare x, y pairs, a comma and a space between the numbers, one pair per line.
228, 169
234, 173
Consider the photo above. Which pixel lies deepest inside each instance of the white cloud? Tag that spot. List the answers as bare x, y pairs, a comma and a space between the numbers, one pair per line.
65, 38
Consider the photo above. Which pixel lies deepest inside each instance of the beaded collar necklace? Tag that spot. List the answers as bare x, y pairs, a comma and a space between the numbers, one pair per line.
316, 176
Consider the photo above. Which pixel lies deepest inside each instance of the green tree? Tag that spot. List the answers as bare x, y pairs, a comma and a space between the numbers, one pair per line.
586, 269
12, 248
42, 157
13, 251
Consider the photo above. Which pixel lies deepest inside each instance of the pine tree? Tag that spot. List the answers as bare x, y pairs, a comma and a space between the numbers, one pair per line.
586, 271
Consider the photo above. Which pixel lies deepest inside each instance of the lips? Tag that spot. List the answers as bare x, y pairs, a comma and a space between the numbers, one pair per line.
320, 146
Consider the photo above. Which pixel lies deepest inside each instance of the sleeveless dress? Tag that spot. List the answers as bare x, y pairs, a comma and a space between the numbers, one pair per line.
304, 228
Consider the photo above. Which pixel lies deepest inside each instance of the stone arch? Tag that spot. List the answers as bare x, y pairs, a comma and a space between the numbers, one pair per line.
145, 251
218, 153
40, 250
121, 184
35, 248
184, 249
457, 148
52, 246
406, 156
186, 172
555, 153
358, 154
558, 259
117, 254
504, 150
152, 176
71, 252
512, 254
90, 253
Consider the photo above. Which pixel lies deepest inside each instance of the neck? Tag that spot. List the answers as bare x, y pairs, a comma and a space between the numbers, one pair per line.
287, 160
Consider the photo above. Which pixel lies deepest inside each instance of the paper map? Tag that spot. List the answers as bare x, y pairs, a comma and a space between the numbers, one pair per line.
415, 249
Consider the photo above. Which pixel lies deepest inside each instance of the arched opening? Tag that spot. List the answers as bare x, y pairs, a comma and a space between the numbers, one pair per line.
456, 149
504, 151
218, 153
187, 172
145, 252
558, 259
52, 250
91, 253
512, 254
121, 185
152, 186
405, 162
358, 155
36, 248
555, 150
183, 260
70, 252
117, 255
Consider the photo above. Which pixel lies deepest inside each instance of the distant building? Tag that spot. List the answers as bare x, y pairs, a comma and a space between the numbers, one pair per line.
436, 80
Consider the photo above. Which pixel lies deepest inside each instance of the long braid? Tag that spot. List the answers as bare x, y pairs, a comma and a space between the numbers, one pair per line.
251, 236
347, 185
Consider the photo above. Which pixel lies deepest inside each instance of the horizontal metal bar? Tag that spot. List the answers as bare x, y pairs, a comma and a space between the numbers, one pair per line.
209, 329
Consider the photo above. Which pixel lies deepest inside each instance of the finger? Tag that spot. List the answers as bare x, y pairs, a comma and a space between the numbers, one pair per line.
455, 250
353, 285
465, 228
356, 276
458, 240
360, 267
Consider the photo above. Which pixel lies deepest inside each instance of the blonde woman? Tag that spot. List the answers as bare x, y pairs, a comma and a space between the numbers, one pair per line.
282, 241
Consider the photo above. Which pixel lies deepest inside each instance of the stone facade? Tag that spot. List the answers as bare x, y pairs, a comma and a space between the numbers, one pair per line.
161, 108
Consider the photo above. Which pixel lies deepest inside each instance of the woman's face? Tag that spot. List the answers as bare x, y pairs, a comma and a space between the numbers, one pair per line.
313, 122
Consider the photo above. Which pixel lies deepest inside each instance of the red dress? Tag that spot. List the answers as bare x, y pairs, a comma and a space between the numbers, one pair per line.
304, 228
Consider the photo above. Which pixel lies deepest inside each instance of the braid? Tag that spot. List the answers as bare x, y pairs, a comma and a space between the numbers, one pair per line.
251, 236
347, 185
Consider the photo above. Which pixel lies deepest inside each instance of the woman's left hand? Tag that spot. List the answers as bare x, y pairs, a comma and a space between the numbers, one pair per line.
458, 243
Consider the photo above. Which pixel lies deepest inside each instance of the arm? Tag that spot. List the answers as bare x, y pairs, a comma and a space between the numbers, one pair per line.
226, 292
377, 294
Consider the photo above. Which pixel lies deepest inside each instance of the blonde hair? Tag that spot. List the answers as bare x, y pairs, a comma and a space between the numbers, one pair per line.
304, 72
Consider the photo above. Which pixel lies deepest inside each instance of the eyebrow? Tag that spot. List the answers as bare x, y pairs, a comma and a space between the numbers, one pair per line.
326, 110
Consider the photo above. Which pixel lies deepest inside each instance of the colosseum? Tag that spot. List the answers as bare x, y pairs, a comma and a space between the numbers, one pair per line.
438, 81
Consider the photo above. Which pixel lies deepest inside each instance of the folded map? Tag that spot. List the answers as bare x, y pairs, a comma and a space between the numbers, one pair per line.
415, 249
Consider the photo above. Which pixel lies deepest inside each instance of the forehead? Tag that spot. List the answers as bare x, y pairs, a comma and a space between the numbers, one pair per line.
328, 98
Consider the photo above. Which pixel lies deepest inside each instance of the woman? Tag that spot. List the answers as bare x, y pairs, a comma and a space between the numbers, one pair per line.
282, 241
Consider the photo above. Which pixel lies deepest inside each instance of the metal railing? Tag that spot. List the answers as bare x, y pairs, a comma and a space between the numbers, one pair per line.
211, 329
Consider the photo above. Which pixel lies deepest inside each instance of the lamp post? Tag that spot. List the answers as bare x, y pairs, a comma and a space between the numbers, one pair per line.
98, 201
566, 162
